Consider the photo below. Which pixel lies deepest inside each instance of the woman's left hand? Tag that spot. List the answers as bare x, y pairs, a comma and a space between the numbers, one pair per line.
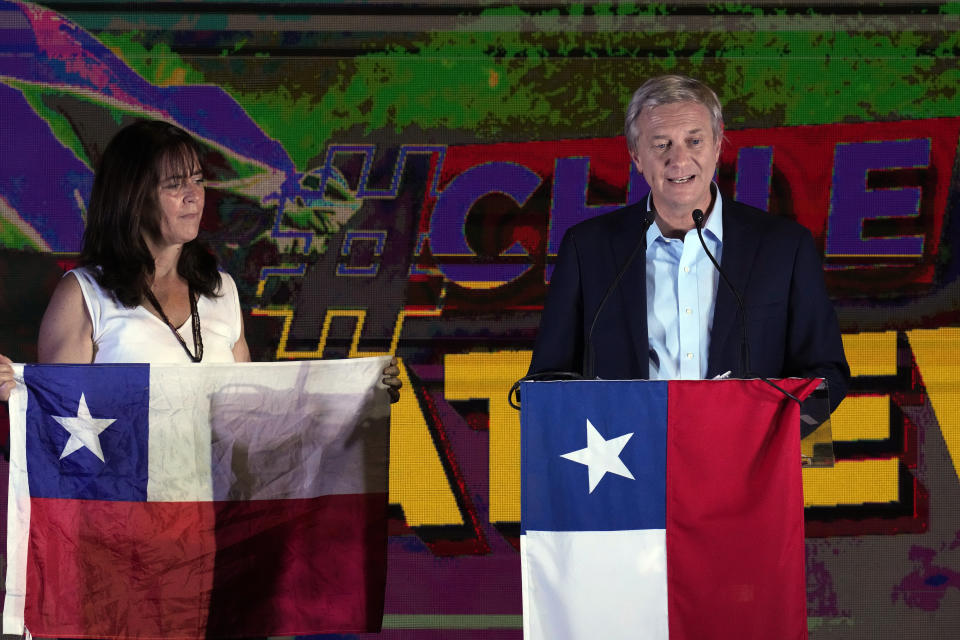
391, 378
7, 383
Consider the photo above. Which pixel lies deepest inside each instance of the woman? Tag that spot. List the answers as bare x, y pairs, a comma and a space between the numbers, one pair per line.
146, 290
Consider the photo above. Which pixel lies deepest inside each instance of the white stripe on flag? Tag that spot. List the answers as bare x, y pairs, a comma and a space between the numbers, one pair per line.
236, 431
18, 511
594, 584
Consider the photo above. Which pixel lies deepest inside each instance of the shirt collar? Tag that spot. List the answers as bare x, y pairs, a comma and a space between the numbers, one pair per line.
713, 226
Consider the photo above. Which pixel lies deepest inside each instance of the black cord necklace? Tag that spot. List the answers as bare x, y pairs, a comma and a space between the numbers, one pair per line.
194, 320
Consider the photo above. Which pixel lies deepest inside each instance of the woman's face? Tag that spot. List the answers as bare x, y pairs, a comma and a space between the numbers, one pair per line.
180, 200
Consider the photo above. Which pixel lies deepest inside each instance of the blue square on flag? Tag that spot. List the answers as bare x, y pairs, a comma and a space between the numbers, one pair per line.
87, 431
593, 456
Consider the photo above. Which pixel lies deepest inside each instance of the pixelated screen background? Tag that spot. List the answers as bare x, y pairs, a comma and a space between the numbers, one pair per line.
388, 177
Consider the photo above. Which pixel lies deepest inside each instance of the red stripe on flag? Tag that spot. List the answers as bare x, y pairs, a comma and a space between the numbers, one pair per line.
198, 570
735, 545
300, 567
118, 569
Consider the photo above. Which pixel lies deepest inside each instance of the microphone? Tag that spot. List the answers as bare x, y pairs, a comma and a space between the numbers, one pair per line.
744, 347
513, 396
588, 353
588, 356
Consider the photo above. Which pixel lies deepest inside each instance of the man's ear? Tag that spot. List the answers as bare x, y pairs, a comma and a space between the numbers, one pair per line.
636, 162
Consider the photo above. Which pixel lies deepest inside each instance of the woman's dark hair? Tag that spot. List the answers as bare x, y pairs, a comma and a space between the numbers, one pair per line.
123, 207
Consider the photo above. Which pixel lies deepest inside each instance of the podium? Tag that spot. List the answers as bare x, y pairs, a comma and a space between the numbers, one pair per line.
655, 509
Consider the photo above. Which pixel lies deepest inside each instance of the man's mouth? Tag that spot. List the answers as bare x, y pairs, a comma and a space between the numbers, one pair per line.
682, 180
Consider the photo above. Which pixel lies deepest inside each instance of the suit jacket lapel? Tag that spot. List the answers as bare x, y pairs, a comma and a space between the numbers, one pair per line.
740, 245
632, 293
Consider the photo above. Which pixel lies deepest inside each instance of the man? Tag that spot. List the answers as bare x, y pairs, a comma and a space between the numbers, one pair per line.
669, 316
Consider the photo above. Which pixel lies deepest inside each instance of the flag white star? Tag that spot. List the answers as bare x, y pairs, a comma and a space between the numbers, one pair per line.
84, 430
601, 456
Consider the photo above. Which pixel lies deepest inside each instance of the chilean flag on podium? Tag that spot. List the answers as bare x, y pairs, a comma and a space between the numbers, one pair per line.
197, 501
662, 510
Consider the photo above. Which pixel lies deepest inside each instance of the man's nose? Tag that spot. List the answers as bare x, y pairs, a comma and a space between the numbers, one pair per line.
678, 155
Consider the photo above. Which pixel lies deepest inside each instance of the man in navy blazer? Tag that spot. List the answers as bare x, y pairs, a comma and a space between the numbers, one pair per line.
669, 316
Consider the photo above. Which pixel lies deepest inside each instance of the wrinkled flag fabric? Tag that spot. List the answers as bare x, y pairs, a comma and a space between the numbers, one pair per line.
662, 510
171, 501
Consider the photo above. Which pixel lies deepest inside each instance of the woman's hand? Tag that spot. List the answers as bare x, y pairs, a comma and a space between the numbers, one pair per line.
391, 378
7, 383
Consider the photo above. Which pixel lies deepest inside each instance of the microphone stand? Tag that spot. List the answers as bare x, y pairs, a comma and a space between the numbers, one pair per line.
744, 346
589, 355
588, 352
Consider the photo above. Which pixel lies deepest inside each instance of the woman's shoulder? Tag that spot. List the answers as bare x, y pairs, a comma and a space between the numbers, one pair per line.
72, 287
66, 328
226, 279
87, 279
83, 274
228, 286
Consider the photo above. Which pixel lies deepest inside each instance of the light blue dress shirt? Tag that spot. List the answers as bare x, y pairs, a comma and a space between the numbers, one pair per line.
681, 295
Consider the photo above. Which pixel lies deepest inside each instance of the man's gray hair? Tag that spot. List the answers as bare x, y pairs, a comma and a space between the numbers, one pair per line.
668, 90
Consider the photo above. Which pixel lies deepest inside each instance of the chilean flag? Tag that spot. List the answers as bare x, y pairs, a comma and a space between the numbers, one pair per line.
662, 510
168, 501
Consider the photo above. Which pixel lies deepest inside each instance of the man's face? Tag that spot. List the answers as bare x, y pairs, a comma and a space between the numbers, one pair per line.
677, 155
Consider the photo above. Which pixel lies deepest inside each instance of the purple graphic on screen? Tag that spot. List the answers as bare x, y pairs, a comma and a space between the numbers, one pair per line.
754, 174
925, 587
569, 202
42, 180
852, 202
447, 235
46, 184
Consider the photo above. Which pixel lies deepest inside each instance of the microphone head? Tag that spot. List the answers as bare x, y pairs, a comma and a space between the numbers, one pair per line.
698, 217
649, 217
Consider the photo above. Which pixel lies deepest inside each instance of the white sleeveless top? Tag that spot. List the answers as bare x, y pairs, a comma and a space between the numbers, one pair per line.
134, 335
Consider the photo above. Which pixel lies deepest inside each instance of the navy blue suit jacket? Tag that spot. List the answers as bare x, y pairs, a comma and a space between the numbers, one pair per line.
792, 326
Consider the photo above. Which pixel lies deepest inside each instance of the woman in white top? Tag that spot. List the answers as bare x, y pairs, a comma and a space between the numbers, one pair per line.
147, 289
